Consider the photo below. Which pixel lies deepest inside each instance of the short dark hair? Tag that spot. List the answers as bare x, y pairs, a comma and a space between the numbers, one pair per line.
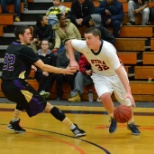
60, 15
44, 40
95, 31
20, 30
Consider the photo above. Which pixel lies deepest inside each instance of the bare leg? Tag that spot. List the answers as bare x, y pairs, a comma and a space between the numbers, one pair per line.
108, 103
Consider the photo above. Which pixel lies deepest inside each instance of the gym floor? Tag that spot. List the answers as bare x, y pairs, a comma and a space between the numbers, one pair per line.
47, 135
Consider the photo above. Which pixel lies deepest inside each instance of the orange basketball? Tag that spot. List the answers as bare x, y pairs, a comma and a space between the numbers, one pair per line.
122, 113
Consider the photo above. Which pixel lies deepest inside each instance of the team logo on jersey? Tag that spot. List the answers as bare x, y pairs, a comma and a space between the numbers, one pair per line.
101, 65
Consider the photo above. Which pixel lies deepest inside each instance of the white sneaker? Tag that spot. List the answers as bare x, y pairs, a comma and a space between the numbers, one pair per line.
98, 100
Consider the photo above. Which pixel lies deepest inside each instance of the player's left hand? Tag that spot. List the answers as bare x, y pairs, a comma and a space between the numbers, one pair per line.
131, 98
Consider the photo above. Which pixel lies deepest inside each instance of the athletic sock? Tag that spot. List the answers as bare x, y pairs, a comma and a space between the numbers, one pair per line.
68, 123
16, 115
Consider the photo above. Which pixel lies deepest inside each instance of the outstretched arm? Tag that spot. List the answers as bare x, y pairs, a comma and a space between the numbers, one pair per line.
52, 69
73, 62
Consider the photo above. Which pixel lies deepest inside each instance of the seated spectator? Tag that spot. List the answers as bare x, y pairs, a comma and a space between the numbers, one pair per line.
42, 31
112, 15
96, 21
25, 5
62, 62
17, 7
57, 8
81, 11
136, 7
64, 30
45, 79
82, 79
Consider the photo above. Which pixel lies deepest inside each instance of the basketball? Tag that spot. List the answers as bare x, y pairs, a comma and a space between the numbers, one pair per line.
122, 113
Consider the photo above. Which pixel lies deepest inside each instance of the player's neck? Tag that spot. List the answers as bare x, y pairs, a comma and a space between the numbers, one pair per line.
97, 46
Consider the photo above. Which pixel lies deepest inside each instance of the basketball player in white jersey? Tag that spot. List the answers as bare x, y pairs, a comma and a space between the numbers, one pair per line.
109, 76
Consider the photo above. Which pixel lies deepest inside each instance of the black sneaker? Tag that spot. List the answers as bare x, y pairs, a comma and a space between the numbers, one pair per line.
78, 132
14, 126
113, 126
131, 23
133, 128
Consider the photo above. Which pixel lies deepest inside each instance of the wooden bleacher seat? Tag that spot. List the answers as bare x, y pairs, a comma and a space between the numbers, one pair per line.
130, 44
1, 30
127, 68
6, 19
136, 31
138, 19
152, 43
144, 72
142, 87
148, 58
10, 8
128, 57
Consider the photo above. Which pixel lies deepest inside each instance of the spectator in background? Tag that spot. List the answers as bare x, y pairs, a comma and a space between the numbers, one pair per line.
17, 7
96, 21
42, 31
25, 5
81, 11
136, 7
82, 79
62, 62
45, 79
112, 15
64, 29
57, 8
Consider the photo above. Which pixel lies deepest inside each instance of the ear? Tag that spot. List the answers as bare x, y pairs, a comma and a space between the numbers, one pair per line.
20, 36
98, 37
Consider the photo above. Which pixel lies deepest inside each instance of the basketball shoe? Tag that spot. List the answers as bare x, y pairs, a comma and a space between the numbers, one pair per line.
78, 132
133, 128
44, 94
113, 125
14, 126
76, 98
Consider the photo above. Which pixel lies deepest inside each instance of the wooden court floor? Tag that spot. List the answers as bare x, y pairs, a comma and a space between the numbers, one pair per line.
46, 135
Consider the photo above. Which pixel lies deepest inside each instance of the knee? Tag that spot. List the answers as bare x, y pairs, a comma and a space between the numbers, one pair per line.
105, 97
116, 24
79, 74
146, 11
130, 3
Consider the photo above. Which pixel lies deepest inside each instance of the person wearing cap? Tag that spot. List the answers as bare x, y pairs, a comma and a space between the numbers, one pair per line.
96, 21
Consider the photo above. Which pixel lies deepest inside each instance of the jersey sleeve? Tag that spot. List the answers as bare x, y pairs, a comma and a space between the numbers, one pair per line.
28, 55
78, 45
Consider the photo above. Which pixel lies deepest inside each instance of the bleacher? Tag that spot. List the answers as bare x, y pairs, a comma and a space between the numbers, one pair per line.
135, 47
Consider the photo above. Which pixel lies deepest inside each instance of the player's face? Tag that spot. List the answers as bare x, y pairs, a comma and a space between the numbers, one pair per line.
26, 37
91, 40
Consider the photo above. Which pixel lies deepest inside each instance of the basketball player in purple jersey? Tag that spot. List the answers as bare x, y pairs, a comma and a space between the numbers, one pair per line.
16, 68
